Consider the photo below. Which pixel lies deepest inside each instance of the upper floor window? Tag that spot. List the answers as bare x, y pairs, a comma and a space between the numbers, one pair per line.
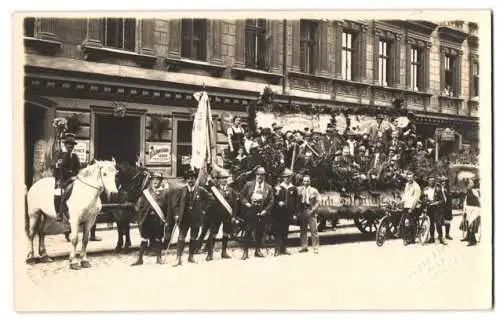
450, 75
255, 46
29, 27
194, 41
347, 55
383, 62
119, 33
308, 46
475, 79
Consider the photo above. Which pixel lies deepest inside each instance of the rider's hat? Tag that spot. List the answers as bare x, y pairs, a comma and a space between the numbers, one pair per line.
158, 175
69, 138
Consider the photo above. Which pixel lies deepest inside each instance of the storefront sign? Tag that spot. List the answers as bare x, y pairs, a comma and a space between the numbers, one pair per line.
448, 135
159, 153
81, 150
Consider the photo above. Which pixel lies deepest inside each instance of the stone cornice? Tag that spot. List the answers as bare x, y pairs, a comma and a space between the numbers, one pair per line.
451, 37
43, 46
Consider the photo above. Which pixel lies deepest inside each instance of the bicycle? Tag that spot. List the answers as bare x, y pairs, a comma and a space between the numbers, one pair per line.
422, 229
389, 224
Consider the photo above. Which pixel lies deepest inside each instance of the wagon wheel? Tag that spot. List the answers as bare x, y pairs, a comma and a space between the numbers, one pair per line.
367, 225
383, 231
424, 225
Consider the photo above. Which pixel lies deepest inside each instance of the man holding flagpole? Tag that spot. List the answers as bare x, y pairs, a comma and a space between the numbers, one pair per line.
152, 207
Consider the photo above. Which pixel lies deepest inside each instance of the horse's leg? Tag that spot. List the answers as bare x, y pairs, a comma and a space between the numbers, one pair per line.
42, 251
74, 224
126, 230
119, 229
85, 241
32, 221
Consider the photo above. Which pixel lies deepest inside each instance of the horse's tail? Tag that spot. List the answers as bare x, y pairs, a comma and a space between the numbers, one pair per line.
26, 216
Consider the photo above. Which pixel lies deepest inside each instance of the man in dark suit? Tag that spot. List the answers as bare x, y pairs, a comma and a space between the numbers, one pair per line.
447, 206
434, 196
286, 202
152, 218
66, 166
220, 215
190, 205
258, 199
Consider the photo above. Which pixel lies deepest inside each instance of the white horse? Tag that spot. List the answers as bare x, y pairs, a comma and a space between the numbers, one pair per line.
84, 205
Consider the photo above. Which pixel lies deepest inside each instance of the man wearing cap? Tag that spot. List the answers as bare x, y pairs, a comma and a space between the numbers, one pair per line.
152, 209
434, 196
220, 215
285, 203
66, 166
258, 199
191, 203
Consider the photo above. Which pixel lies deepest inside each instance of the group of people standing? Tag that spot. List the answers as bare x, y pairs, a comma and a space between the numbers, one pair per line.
252, 207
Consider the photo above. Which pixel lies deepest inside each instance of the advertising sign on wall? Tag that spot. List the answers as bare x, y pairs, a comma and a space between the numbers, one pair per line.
159, 153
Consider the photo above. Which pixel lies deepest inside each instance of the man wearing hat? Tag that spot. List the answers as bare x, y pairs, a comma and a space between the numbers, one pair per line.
66, 166
447, 205
152, 209
434, 196
192, 202
377, 131
258, 199
220, 215
285, 203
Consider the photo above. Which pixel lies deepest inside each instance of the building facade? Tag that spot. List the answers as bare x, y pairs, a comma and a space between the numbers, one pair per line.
131, 81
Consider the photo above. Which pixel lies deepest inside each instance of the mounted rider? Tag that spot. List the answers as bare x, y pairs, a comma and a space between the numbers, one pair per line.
65, 167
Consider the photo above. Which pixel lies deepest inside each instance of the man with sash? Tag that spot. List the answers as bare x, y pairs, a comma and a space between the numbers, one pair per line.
152, 209
434, 196
191, 204
222, 211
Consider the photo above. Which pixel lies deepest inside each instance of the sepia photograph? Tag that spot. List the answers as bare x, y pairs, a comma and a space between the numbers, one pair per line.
286, 160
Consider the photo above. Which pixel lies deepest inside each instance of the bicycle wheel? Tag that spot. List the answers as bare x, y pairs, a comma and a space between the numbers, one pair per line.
424, 226
382, 231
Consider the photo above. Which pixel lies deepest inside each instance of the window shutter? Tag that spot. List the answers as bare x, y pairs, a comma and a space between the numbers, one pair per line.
356, 55
185, 34
268, 50
421, 70
376, 76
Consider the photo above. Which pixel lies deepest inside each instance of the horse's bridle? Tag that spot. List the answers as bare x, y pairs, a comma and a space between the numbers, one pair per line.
100, 189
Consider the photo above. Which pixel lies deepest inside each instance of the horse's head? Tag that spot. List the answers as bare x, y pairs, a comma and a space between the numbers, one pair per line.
132, 180
107, 176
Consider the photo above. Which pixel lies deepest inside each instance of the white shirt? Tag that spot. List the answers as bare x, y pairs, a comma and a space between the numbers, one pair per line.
411, 194
429, 192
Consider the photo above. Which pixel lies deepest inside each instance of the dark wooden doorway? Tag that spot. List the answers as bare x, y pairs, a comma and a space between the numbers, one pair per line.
34, 126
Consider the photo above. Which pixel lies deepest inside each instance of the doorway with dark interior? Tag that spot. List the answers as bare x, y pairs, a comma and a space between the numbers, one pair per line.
34, 152
117, 137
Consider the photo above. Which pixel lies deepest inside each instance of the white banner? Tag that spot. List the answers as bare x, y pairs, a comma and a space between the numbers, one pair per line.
202, 125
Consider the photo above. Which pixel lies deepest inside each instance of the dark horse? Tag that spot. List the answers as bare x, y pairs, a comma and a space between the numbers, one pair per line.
131, 181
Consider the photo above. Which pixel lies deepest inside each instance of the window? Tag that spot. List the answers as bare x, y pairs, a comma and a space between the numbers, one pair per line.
308, 46
183, 146
347, 55
194, 40
29, 27
383, 62
255, 46
414, 69
119, 33
449, 75
475, 79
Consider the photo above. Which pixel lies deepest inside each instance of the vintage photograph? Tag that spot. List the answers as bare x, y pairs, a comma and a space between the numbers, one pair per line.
234, 161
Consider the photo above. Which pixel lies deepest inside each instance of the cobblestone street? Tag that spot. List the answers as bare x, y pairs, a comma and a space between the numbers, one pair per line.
346, 269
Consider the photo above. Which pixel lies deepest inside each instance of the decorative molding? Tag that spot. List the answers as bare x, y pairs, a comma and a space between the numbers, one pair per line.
309, 82
451, 37
447, 104
268, 77
43, 46
175, 65
352, 25
98, 53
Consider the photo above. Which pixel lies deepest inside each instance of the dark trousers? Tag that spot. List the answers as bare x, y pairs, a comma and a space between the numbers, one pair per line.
410, 231
436, 220
254, 225
281, 226
189, 223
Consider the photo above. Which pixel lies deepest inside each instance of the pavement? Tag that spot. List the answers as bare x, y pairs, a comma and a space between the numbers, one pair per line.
350, 272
